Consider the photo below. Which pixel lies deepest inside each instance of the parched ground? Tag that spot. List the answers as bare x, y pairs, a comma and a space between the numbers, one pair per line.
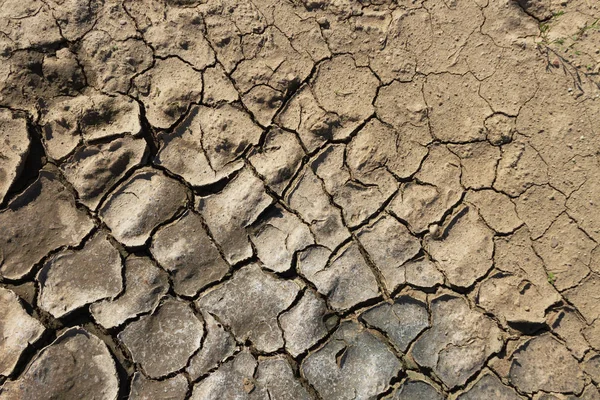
299, 199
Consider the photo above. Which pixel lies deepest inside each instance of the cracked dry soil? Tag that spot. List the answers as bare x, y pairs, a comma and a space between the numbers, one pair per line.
299, 199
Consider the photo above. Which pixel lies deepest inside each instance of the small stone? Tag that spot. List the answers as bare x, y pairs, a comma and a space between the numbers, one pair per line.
163, 341
72, 279
55, 373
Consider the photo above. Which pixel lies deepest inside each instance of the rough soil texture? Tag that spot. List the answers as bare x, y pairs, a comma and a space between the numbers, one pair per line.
299, 199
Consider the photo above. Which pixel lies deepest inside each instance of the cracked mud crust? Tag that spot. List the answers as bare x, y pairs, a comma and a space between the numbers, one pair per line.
299, 199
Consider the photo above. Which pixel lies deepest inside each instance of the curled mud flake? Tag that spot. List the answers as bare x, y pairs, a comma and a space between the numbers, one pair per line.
142, 388
56, 371
416, 389
38, 221
141, 203
18, 329
74, 278
13, 149
489, 387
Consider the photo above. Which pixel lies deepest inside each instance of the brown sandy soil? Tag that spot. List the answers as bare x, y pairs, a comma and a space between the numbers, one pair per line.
299, 199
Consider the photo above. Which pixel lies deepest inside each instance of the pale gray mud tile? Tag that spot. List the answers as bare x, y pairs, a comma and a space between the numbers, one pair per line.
447, 96
350, 99
586, 297
185, 250
208, 144
277, 377
167, 90
345, 279
538, 207
73, 279
67, 121
478, 161
353, 364
544, 363
402, 105
145, 284
217, 346
173, 31
93, 170
14, 149
359, 195
459, 342
566, 323
464, 251
244, 378
306, 323
229, 212
278, 159
520, 292
277, 236
162, 342
489, 387
496, 209
109, 64
592, 334
39, 220
314, 124
371, 149
415, 389
438, 189
141, 203
57, 371
402, 321
218, 88
309, 199
249, 304
142, 388
566, 251
18, 331
390, 245
519, 168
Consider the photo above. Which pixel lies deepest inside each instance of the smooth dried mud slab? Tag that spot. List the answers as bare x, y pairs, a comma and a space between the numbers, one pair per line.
312, 200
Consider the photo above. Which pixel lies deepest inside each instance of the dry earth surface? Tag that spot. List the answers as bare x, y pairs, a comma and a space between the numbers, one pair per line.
299, 199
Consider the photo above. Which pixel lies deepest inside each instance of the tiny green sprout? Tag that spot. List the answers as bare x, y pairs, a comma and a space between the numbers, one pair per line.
560, 41
551, 278
544, 27
558, 14
577, 52
115, 48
